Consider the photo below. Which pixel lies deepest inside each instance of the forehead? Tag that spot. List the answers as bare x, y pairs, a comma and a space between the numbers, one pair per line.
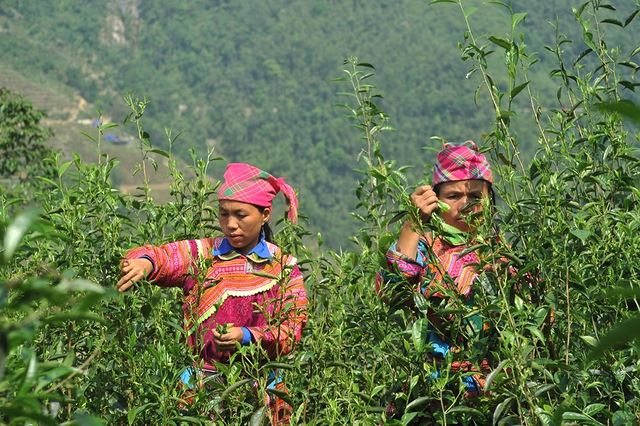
230, 205
465, 186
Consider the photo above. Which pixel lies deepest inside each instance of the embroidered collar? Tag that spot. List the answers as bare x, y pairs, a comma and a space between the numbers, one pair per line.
260, 253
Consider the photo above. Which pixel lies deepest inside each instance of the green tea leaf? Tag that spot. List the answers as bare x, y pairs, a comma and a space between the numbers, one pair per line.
258, 416
516, 18
589, 340
582, 234
28, 375
570, 415
278, 366
518, 89
418, 402
612, 21
468, 11
421, 302
89, 136
281, 394
16, 231
63, 168
108, 126
49, 181
265, 275
621, 334
235, 386
443, 207
582, 55
501, 41
500, 408
420, 334
626, 108
468, 410
160, 152
593, 409
491, 376
500, 3
476, 94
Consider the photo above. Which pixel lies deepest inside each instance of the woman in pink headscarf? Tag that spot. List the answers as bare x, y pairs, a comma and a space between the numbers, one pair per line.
440, 266
252, 293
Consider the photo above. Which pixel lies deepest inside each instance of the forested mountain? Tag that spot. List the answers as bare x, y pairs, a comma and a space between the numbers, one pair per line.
252, 77
538, 307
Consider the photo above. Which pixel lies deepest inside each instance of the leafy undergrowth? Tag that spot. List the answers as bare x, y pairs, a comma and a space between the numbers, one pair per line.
73, 350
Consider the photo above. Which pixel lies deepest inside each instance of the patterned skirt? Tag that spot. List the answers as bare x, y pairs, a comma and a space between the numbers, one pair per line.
279, 410
474, 383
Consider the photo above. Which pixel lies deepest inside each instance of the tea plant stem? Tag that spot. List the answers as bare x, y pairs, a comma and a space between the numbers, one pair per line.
362, 106
364, 115
517, 362
535, 109
137, 111
492, 95
603, 54
79, 369
568, 300
70, 330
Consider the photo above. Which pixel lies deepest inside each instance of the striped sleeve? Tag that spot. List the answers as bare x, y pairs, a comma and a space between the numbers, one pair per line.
174, 263
402, 268
402, 274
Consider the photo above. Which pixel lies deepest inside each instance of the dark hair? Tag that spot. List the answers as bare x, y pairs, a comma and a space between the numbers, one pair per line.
490, 190
266, 229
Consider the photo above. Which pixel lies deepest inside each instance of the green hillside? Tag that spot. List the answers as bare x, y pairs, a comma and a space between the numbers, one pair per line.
537, 305
252, 78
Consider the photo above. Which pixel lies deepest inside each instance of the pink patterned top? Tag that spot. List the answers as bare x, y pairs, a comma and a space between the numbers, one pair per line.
440, 266
265, 295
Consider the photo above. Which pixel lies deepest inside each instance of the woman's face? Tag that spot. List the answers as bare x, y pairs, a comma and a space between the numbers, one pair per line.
458, 195
241, 223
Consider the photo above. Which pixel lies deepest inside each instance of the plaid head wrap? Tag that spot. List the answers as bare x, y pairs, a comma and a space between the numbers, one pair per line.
461, 162
248, 184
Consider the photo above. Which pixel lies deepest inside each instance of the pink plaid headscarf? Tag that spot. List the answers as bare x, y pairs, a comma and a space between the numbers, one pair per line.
248, 184
461, 162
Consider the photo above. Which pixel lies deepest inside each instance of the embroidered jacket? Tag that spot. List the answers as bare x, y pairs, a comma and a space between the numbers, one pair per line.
437, 273
262, 292
444, 272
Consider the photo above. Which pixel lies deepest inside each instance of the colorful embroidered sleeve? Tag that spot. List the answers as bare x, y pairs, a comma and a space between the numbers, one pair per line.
400, 267
174, 264
288, 311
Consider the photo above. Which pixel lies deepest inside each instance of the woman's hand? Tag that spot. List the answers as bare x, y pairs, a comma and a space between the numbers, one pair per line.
425, 199
132, 271
227, 342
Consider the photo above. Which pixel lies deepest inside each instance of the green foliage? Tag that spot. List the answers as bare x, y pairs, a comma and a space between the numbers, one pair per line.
22, 145
251, 78
568, 221
569, 216
32, 388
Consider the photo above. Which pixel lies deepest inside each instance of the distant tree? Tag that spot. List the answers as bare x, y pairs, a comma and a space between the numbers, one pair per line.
22, 144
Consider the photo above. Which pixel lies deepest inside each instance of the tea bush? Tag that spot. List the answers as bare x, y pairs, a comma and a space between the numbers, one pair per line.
569, 216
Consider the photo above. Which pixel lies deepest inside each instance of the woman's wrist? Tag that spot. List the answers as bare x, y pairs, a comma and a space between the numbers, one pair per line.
408, 240
409, 226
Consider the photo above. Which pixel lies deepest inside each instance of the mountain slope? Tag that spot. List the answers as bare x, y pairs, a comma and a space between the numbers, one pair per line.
252, 78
